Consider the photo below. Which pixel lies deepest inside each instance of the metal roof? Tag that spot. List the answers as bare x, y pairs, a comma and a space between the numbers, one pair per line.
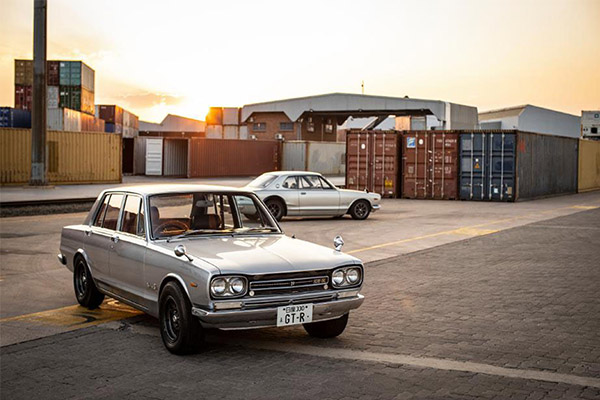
347, 103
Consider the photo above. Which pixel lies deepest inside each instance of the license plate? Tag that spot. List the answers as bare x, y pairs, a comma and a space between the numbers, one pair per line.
294, 315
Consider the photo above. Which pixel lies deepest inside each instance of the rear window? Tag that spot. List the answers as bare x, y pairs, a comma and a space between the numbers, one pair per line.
262, 181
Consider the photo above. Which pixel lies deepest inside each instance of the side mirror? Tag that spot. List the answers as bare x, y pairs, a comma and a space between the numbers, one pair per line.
338, 243
181, 251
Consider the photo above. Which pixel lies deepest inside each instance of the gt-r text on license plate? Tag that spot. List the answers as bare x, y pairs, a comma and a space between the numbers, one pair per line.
294, 315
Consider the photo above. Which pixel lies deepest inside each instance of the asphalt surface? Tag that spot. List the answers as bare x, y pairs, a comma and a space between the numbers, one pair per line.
513, 314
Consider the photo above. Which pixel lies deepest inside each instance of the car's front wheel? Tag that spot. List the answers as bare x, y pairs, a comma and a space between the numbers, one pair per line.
86, 291
360, 209
327, 329
180, 331
276, 208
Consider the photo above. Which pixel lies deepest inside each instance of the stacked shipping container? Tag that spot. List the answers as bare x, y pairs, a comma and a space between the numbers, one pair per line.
14, 118
118, 120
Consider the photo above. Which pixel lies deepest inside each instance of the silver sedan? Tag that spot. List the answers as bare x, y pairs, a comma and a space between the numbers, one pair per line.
300, 193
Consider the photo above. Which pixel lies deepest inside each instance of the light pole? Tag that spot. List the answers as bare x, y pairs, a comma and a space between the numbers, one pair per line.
38, 110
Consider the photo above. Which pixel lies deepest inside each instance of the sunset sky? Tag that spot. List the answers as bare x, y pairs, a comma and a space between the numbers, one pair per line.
157, 57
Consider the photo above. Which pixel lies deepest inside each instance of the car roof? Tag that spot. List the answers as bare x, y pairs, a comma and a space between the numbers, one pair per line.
173, 188
280, 173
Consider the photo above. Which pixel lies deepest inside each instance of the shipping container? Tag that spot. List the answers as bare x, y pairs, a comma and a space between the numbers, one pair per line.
214, 131
372, 161
130, 120
139, 156
211, 158
14, 118
76, 73
113, 128
89, 123
231, 116
175, 157
110, 113
214, 116
154, 156
129, 132
327, 158
24, 73
430, 165
23, 97
63, 119
589, 165
511, 165
72, 157
230, 131
77, 98
52, 97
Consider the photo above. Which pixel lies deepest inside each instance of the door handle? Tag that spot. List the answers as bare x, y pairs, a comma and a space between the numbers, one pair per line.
302, 193
114, 238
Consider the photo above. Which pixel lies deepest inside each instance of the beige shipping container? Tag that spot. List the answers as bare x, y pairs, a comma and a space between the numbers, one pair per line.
589, 166
72, 157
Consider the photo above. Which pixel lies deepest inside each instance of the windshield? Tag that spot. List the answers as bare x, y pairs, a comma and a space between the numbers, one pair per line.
262, 181
201, 213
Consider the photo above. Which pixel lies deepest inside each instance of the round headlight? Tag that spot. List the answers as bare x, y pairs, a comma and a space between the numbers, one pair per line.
218, 286
338, 278
236, 285
352, 275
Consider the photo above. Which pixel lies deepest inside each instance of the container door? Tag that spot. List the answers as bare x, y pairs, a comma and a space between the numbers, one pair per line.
154, 156
501, 179
444, 165
385, 164
416, 156
294, 156
473, 177
357, 161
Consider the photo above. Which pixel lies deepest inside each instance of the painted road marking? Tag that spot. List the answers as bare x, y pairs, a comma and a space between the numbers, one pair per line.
471, 230
78, 317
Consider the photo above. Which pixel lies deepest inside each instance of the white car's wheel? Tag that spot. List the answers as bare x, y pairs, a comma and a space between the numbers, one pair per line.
360, 209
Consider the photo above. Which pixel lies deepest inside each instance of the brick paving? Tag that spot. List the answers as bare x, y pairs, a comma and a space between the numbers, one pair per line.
525, 298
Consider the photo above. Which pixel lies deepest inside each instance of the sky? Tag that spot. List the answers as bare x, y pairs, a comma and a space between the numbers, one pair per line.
182, 56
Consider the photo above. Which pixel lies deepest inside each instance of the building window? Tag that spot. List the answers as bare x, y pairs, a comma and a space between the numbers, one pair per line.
259, 126
310, 127
286, 126
328, 128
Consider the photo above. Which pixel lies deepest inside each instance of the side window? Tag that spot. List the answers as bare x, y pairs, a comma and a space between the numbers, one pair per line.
141, 228
290, 183
112, 212
310, 182
131, 212
325, 184
100, 216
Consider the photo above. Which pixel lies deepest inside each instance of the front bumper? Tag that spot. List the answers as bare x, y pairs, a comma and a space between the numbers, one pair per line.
375, 207
265, 317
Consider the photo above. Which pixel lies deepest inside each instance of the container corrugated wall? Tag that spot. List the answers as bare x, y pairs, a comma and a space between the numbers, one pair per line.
326, 158
430, 165
546, 165
293, 155
372, 161
589, 165
139, 156
72, 157
210, 158
175, 157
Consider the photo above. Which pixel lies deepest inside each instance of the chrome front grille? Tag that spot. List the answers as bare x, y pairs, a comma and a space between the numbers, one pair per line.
289, 285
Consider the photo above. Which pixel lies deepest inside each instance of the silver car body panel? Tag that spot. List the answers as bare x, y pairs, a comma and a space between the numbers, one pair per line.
134, 269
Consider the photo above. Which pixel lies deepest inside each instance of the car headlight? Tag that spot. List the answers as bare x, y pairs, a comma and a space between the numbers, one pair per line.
228, 286
346, 277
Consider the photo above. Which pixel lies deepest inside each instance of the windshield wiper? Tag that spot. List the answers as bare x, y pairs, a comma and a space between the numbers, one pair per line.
262, 229
197, 232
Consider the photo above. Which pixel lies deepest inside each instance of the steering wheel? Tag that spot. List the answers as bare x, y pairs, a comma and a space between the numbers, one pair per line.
172, 223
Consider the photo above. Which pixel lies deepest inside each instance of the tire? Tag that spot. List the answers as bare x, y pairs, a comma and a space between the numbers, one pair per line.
327, 329
276, 207
360, 210
180, 331
86, 292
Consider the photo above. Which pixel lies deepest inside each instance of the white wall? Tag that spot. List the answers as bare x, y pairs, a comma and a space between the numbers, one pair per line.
540, 120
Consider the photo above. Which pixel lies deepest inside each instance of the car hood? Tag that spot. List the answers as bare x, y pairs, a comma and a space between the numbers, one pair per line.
363, 193
263, 254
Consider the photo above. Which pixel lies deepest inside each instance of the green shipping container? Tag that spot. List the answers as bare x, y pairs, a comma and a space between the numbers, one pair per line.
76, 73
77, 98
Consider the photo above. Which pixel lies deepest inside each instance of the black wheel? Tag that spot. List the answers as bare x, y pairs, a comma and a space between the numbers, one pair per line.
327, 329
85, 290
276, 208
180, 331
360, 210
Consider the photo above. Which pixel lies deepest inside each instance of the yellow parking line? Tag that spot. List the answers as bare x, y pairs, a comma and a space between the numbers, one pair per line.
76, 317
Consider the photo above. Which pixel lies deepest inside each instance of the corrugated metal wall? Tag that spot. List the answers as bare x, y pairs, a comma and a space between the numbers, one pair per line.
546, 165
175, 157
139, 156
589, 166
208, 158
293, 156
72, 157
326, 158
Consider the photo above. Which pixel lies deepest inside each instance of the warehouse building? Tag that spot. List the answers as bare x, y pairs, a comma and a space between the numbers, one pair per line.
528, 118
173, 124
316, 118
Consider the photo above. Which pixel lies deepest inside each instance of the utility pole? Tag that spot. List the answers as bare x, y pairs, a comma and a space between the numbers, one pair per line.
38, 110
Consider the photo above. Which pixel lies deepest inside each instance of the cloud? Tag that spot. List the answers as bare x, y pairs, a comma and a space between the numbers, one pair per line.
147, 100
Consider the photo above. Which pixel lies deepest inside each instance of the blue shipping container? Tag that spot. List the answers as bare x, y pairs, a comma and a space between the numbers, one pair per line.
14, 118
113, 128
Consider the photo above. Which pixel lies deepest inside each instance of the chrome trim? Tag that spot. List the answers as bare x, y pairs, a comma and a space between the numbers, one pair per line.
288, 284
62, 259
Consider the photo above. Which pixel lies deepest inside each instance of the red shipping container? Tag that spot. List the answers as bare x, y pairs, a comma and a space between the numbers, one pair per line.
52, 74
23, 97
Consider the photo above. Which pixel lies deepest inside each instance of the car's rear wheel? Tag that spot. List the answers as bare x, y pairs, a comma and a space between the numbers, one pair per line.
276, 208
360, 209
180, 331
327, 329
86, 291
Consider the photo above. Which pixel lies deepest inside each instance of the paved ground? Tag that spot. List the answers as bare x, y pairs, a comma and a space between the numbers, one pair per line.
509, 315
